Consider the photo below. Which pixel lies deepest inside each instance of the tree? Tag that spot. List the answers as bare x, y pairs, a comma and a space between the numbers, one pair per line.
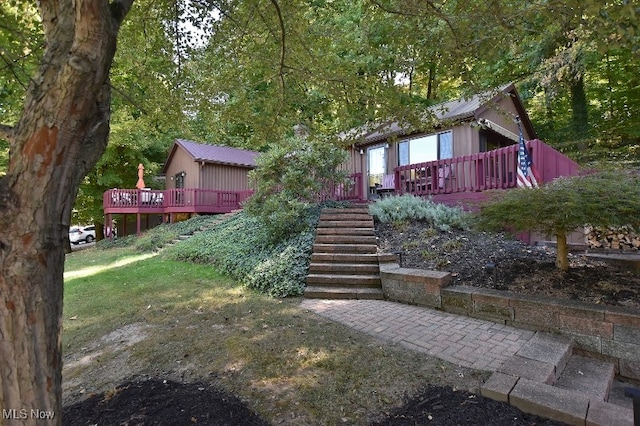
605, 200
59, 136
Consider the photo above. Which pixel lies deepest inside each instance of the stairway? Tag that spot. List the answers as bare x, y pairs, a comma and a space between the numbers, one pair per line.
344, 263
546, 378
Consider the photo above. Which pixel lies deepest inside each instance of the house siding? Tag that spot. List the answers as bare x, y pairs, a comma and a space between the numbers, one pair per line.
224, 177
182, 162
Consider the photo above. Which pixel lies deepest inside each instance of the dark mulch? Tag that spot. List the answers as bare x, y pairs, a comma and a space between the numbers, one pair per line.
161, 402
164, 402
443, 406
495, 261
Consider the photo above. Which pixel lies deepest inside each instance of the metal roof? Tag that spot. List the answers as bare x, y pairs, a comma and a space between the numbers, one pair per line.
217, 154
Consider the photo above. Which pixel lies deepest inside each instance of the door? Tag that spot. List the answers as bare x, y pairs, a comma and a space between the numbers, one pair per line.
376, 167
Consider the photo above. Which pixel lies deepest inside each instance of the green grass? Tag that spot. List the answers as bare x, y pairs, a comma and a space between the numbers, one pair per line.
193, 324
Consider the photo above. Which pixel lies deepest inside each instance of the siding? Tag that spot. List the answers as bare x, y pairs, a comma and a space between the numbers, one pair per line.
180, 162
219, 176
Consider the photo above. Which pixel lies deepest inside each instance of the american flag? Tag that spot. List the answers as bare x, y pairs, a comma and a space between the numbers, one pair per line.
527, 175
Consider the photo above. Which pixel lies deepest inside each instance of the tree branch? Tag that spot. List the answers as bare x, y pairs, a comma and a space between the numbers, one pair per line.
119, 9
282, 43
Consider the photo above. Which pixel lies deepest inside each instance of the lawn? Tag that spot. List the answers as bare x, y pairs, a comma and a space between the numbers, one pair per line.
130, 315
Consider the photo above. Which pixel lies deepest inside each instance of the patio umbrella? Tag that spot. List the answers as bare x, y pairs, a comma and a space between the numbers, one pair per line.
140, 183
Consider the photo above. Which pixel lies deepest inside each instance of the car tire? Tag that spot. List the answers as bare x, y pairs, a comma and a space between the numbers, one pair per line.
89, 239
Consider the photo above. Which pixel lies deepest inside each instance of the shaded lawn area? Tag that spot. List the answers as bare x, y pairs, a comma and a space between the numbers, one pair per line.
154, 341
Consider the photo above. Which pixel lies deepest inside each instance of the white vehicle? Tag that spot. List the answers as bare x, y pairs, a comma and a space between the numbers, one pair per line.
78, 234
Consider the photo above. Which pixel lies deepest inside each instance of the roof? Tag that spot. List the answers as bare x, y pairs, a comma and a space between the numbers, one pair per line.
216, 154
455, 110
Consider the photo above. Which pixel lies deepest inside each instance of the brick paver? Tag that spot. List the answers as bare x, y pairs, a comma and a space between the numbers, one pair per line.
469, 342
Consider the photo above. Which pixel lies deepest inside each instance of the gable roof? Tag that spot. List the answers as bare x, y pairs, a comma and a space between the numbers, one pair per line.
457, 110
215, 154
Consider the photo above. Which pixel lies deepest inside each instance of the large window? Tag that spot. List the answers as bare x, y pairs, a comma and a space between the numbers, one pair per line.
426, 148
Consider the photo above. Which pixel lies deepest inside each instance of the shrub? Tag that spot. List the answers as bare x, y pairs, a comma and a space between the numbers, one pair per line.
400, 209
290, 178
243, 248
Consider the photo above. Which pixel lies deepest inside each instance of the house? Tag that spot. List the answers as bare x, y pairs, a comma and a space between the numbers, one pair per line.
199, 179
473, 148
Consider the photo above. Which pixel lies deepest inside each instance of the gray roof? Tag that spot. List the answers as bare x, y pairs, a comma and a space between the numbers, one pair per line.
218, 154
455, 110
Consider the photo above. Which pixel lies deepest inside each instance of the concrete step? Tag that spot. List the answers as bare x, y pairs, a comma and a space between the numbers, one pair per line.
345, 231
346, 239
344, 280
345, 248
345, 257
344, 268
587, 375
343, 293
346, 224
541, 359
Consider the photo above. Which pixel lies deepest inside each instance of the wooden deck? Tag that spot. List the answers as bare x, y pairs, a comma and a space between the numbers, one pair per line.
464, 179
187, 200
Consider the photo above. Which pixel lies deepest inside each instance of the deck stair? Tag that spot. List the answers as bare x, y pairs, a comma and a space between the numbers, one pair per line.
344, 263
546, 378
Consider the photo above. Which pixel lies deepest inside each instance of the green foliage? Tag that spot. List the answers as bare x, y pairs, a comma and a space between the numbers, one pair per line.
158, 237
290, 177
243, 248
606, 199
400, 209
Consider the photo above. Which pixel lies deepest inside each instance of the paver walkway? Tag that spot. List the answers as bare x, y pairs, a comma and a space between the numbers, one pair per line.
465, 341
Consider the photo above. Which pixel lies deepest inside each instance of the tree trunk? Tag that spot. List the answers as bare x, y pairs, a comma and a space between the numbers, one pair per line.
61, 134
562, 251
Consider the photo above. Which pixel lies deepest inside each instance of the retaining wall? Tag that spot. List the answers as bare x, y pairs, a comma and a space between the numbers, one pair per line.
607, 332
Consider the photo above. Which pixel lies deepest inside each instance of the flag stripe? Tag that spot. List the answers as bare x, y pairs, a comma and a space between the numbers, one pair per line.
527, 175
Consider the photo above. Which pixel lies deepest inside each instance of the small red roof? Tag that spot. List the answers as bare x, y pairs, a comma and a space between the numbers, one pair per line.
215, 154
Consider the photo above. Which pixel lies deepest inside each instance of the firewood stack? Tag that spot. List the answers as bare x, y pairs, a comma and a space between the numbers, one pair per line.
612, 239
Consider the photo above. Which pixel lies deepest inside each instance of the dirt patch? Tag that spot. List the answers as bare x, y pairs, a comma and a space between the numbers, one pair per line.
495, 261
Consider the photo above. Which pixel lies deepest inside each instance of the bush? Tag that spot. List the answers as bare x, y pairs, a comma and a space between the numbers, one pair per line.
291, 177
404, 208
243, 248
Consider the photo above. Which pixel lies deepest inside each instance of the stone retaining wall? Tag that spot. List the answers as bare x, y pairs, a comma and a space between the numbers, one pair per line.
607, 332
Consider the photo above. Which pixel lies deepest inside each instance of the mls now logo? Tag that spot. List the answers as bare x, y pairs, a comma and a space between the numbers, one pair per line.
23, 414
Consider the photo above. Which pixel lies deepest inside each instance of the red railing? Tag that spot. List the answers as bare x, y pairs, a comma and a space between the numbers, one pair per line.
495, 169
183, 199
349, 191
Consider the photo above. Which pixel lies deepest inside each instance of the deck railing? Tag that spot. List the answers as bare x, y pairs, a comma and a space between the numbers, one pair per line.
349, 191
495, 169
196, 200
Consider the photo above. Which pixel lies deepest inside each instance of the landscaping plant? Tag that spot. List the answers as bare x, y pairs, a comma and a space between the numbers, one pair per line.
606, 199
401, 209
290, 177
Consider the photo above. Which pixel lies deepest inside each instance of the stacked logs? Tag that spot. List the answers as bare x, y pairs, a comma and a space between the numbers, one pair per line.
612, 239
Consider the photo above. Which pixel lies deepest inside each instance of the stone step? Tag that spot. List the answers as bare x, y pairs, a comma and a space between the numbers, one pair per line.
343, 293
346, 239
344, 280
345, 257
344, 268
587, 375
345, 248
355, 209
346, 224
345, 231
540, 359
344, 216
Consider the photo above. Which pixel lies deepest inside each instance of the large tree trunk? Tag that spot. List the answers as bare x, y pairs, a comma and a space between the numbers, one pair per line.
61, 134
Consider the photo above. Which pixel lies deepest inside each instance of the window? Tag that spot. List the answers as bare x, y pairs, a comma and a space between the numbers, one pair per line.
426, 148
